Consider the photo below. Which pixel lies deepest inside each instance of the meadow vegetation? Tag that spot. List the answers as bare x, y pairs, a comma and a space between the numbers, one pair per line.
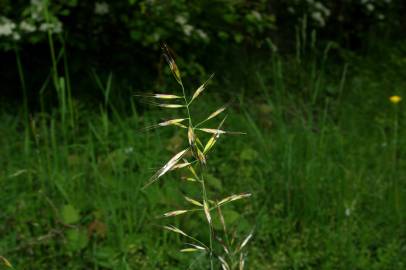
323, 157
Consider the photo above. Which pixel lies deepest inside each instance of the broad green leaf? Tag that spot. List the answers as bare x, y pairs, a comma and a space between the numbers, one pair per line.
69, 214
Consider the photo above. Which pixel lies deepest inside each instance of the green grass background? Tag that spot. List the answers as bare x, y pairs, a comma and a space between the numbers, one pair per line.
324, 157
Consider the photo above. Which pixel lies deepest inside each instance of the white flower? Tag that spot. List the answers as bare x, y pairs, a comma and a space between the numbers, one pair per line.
187, 29
318, 17
101, 8
256, 15
156, 36
16, 36
202, 35
37, 3
128, 150
6, 26
348, 212
370, 7
37, 9
55, 27
181, 20
44, 27
27, 27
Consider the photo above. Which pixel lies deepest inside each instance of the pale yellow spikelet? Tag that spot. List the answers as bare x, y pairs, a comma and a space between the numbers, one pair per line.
201, 88
172, 65
245, 242
158, 96
171, 106
189, 250
192, 170
210, 143
192, 201
234, 197
201, 157
191, 136
175, 213
193, 248
171, 122
166, 96
219, 131
207, 211
223, 222
224, 264
180, 125
242, 261
167, 167
213, 130
215, 113
6, 262
180, 165
176, 230
190, 179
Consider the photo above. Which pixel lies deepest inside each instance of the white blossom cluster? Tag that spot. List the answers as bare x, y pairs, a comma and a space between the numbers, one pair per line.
101, 8
7, 28
189, 29
316, 10
34, 22
319, 13
374, 7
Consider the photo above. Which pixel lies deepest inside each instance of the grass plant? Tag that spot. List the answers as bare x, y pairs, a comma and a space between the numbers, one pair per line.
194, 158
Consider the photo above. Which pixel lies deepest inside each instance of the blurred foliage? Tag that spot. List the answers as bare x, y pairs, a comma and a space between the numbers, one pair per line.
124, 37
146, 23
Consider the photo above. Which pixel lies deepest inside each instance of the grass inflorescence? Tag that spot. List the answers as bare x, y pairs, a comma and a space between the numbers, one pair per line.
194, 159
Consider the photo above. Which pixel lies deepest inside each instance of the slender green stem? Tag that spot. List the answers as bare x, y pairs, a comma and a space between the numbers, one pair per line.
394, 161
205, 200
22, 81
395, 139
201, 123
204, 192
187, 106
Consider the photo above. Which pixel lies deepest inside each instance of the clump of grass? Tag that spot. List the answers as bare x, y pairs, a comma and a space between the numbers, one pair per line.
221, 250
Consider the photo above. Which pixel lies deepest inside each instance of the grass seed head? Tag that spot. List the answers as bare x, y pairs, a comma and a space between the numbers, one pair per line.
192, 201
175, 213
207, 211
201, 88
167, 167
171, 122
171, 62
176, 230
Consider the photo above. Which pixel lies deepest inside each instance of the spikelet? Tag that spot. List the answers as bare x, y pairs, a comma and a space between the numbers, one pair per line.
167, 167
172, 65
175, 213
207, 211
192, 201
201, 89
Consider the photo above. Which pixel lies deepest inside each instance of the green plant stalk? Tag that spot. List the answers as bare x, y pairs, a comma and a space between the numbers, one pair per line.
58, 83
204, 191
205, 199
394, 161
68, 85
22, 82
